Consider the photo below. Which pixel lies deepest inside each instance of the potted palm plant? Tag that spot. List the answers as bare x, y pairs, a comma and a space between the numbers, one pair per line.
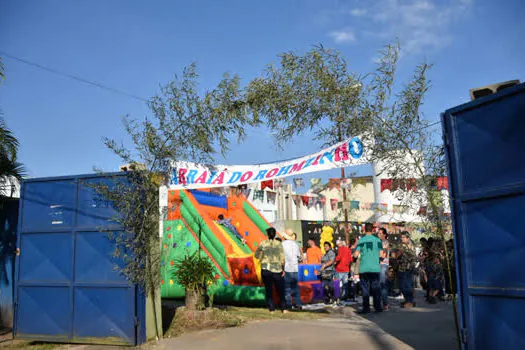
195, 273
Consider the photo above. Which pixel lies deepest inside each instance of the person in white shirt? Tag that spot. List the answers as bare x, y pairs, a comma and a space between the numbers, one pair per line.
292, 257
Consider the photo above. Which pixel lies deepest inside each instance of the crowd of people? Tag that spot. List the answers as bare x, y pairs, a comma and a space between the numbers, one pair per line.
380, 269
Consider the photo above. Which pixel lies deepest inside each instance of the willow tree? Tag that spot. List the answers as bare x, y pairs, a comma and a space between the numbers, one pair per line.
317, 92
310, 92
183, 124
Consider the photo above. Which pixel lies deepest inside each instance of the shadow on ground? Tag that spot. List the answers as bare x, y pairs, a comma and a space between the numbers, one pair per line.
424, 327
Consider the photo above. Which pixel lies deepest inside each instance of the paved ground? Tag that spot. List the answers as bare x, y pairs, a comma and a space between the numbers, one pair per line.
424, 327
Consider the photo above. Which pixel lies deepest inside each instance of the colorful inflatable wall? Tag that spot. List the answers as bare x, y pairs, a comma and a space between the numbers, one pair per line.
192, 224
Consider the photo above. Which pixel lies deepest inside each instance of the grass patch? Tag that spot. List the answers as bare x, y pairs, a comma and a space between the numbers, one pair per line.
254, 314
31, 345
186, 321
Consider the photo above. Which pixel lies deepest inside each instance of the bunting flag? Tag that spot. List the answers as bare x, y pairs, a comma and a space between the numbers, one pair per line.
383, 206
296, 199
267, 184
346, 183
412, 184
315, 182
354, 204
333, 203
398, 184
386, 184
278, 183
298, 182
442, 183
258, 195
334, 183
322, 200
366, 206
305, 200
271, 196
311, 202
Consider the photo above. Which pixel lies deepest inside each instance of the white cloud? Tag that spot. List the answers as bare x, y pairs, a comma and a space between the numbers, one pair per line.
420, 25
358, 12
342, 36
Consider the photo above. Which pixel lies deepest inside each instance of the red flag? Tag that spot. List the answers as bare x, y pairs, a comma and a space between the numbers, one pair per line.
386, 184
305, 200
442, 183
267, 184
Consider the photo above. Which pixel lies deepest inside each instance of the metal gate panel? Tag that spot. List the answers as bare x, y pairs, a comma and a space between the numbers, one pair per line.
485, 146
48, 206
67, 287
503, 246
43, 311
104, 313
46, 257
94, 259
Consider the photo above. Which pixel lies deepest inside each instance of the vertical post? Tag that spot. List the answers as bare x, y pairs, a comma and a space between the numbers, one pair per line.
345, 209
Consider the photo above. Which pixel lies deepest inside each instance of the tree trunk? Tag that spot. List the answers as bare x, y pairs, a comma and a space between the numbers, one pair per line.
194, 299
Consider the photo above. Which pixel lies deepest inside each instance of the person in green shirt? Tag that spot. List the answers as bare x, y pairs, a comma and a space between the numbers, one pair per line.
369, 249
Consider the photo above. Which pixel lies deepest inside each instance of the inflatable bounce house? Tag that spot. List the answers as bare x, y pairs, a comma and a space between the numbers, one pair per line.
191, 224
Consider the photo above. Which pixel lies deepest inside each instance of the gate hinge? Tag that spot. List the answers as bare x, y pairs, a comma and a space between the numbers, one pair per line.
464, 335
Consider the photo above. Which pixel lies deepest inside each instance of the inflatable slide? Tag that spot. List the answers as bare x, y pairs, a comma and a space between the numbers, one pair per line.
192, 223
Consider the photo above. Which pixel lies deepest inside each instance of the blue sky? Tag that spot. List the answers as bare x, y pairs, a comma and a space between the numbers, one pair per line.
135, 46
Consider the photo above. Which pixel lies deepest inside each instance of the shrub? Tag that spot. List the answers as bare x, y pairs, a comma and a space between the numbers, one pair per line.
195, 273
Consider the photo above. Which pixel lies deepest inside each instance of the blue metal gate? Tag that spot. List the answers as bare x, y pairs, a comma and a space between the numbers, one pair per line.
485, 142
67, 289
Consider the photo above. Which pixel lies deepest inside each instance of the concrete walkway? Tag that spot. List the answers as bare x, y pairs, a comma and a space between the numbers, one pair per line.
425, 327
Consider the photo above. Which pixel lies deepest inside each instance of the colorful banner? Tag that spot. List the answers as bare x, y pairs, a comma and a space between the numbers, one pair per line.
188, 175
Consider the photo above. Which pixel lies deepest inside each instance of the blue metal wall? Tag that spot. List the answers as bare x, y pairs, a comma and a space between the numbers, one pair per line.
8, 224
67, 289
485, 142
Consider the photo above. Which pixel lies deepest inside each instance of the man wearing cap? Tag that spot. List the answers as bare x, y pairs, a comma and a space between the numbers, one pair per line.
292, 257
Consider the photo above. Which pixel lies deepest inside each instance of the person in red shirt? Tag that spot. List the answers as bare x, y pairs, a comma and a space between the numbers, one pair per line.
342, 267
